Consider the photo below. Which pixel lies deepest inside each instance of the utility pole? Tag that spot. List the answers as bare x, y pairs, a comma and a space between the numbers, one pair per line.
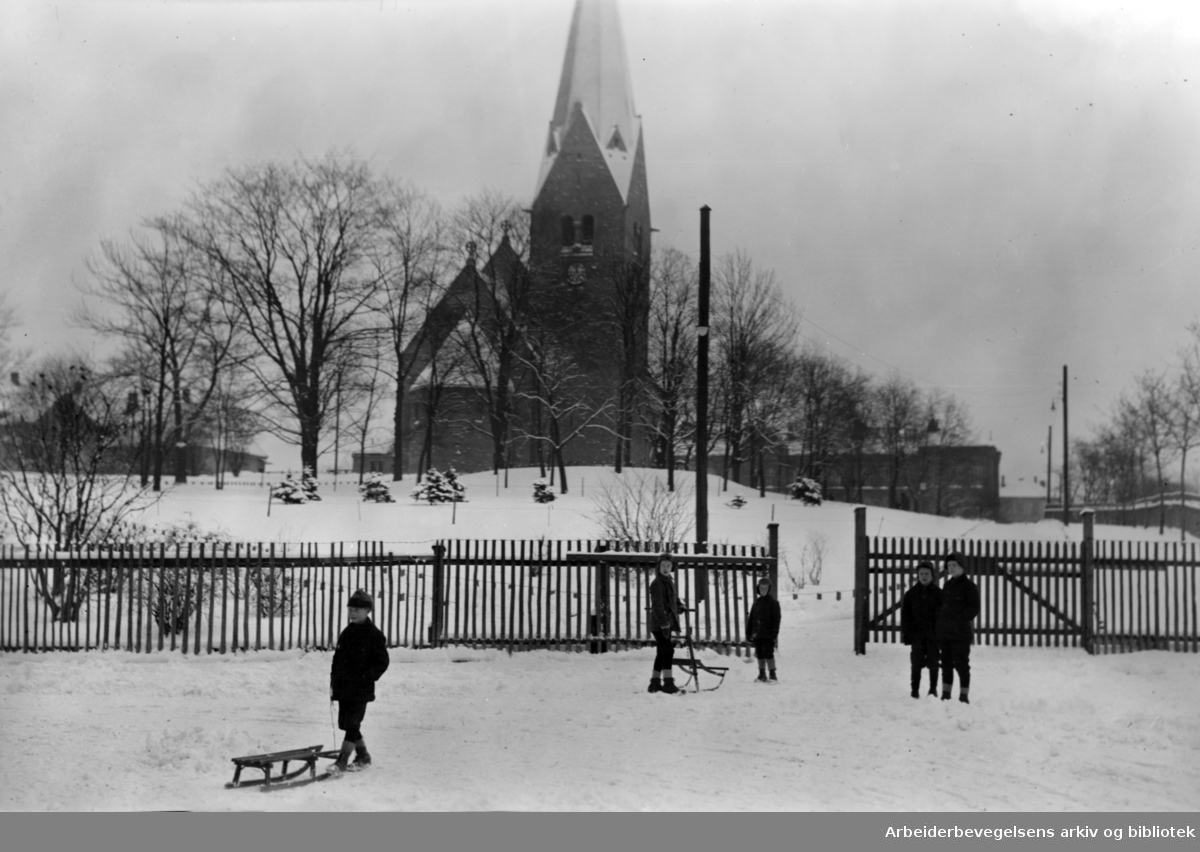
702, 389
1066, 481
1049, 453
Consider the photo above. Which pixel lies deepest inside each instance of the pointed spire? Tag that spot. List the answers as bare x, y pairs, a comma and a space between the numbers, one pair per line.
595, 76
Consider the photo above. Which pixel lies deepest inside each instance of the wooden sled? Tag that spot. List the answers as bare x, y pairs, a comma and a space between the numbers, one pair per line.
307, 757
692, 666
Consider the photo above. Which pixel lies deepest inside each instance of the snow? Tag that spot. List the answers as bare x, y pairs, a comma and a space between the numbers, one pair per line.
458, 729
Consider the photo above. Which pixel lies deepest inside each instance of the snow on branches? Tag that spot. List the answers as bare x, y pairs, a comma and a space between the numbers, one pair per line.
439, 487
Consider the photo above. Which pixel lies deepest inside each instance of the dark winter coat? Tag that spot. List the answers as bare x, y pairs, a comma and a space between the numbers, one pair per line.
919, 613
360, 659
664, 604
960, 606
762, 624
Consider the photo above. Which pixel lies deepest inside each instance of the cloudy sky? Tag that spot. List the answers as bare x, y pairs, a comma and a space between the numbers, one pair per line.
972, 194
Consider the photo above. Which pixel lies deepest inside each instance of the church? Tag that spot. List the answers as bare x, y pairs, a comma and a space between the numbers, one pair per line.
534, 354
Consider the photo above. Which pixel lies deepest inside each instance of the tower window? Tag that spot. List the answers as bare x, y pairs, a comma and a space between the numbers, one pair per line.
568, 231
615, 142
637, 240
589, 229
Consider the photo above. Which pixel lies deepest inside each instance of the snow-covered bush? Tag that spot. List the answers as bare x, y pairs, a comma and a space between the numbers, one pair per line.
293, 492
375, 490
288, 491
308, 484
806, 490
439, 487
542, 492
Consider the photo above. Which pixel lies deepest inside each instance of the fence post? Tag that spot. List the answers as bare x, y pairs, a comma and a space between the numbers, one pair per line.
773, 552
435, 624
860, 580
1086, 578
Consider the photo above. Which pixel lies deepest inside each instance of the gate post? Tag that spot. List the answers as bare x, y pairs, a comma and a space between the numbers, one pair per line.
860, 580
773, 552
1087, 581
435, 625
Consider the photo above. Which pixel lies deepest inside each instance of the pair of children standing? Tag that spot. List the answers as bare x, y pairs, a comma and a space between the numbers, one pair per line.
762, 626
937, 624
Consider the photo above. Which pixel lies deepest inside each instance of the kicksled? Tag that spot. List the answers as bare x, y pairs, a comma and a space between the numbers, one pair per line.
692, 667
305, 773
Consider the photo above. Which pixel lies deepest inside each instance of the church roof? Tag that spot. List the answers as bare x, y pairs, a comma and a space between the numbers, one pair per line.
596, 76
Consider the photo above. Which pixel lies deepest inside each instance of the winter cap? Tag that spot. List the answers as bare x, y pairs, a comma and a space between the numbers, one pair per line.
361, 600
763, 581
956, 556
925, 565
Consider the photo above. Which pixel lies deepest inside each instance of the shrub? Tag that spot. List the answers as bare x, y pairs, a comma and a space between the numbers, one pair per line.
542, 492
806, 490
375, 490
438, 487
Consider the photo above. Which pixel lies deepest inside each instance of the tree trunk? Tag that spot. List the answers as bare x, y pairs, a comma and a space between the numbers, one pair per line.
397, 431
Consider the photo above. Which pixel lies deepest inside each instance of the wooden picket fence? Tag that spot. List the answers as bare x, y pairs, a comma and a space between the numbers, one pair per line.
226, 598
230, 598
576, 594
1103, 596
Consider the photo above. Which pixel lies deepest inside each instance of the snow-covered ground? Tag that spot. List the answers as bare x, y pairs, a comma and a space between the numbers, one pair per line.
1049, 729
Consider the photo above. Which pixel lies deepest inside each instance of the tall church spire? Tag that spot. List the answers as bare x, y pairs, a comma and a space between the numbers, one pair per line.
595, 77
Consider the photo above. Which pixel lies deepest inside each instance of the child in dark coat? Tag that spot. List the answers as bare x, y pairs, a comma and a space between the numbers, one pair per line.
918, 626
762, 628
664, 620
360, 659
960, 606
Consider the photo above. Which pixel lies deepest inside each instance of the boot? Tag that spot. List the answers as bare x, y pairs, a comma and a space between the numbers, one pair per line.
771, 675
915, 681
655, 685
762, 677
962, 696
669, 686
343, 760
946, 695
362, 757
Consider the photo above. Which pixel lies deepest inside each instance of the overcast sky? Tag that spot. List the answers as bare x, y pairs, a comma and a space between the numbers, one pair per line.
970, 193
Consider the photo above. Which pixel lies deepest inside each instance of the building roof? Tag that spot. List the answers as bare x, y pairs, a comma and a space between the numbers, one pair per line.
595, 76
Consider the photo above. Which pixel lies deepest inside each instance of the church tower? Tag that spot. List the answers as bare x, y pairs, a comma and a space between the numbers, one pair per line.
590, 220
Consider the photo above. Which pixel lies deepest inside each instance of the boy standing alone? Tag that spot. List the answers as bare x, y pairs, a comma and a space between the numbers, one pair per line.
360, 659
762, 628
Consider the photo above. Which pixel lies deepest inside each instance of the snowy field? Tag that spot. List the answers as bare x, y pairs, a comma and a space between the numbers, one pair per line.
1049, 729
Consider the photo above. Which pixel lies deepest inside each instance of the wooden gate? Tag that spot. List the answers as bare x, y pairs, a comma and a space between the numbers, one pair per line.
1102, 596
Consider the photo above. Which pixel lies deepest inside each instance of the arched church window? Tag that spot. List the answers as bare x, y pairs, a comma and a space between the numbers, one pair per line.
568, 230
589, 229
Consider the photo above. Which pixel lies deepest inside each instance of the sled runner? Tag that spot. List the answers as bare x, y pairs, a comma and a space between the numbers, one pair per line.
692, 667
307, 757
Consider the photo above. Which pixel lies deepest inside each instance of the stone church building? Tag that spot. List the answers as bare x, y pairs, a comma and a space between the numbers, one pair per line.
564, 318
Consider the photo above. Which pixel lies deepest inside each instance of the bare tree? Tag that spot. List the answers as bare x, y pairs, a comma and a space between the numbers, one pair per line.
1154, 409
555, 388
291, 250
671, 369
640, 509
150, 294
900, 428
752, 326
413, 260
496, 309
65, 481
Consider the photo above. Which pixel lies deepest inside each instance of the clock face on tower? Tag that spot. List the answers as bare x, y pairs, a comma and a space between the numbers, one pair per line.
576, 274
